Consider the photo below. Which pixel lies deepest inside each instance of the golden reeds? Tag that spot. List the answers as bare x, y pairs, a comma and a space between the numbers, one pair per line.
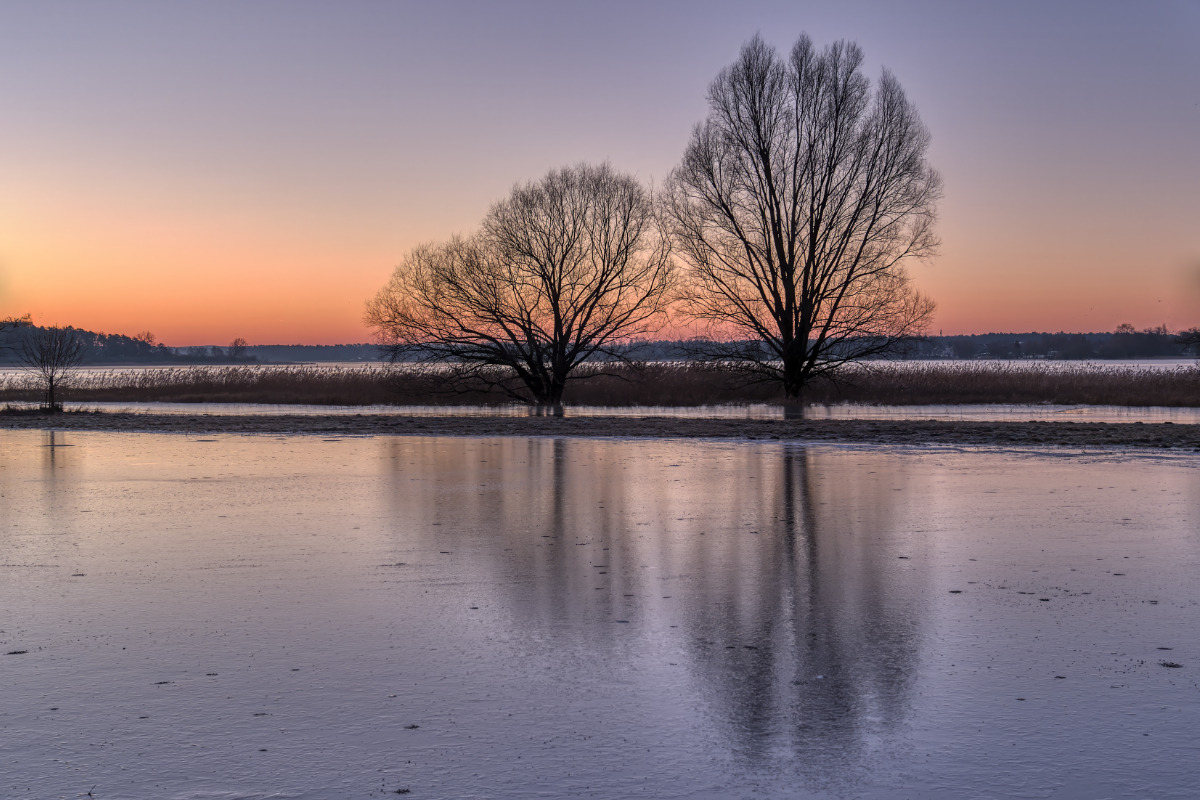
658, 383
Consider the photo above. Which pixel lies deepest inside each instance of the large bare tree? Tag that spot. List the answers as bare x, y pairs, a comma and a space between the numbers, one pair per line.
51, 356
796, 205
565, 269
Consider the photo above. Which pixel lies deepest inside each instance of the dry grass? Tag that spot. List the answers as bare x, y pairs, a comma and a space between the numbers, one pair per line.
363, 385
671, 384
1060, 383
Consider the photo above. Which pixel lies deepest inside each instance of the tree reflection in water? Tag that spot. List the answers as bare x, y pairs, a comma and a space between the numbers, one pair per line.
818, 661
768, 576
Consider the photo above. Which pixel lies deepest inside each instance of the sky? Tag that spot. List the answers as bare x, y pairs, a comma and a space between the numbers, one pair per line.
220, 169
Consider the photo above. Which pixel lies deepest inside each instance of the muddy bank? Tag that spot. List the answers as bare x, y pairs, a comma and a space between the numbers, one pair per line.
1067, 434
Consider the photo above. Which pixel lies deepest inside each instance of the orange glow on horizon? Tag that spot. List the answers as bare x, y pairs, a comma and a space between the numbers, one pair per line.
119, 265
212, 171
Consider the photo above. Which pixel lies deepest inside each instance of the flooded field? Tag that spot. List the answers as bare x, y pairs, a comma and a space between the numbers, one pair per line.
295, 617
996, 412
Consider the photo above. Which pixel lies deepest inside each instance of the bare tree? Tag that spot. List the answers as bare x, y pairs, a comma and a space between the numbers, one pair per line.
237, 348
564, 270
797, 202
51, 355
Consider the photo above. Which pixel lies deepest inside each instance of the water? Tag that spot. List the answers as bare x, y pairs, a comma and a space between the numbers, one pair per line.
997, 412
290, 617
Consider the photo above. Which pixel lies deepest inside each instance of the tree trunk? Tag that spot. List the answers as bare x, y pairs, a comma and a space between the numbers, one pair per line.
558, 382
793, 378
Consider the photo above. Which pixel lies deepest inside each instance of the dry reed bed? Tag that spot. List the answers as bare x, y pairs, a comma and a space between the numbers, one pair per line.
1059, 383
671, 384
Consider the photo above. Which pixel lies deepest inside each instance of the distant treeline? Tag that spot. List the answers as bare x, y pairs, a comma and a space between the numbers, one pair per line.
314, 352
103, 348
1123, 343
275, 354
143, 348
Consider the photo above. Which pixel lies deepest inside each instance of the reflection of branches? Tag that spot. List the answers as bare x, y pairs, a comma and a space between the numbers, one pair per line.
831, 651
798, 645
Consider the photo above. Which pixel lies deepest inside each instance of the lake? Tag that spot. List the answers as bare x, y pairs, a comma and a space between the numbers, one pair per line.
975, 412
294, 617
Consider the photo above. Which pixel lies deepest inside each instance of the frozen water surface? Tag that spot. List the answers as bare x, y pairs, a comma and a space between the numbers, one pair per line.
996, 412
289, 617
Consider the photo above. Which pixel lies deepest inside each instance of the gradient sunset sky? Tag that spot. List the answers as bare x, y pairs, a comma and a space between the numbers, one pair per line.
214, 169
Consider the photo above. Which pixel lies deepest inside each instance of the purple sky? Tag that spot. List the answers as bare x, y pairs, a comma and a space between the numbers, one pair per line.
208, 170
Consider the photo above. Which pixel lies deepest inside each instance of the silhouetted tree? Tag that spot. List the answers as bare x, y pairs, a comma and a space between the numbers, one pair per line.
797, 202
51, 355
237, 348
563, 270
1128, 342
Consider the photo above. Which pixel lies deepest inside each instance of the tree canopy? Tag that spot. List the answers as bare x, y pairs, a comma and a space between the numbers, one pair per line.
798, 201
566, 269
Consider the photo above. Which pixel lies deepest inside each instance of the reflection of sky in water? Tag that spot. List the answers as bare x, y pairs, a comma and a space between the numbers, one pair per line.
606, 618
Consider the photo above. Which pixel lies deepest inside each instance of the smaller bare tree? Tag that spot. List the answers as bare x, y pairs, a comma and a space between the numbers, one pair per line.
237, 348
566, 269
51, 355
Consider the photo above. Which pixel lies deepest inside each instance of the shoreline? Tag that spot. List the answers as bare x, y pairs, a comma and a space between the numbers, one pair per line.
1164, 435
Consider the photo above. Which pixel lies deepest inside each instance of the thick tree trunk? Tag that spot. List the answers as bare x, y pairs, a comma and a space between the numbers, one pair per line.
794, 377
794, 380
547, 397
